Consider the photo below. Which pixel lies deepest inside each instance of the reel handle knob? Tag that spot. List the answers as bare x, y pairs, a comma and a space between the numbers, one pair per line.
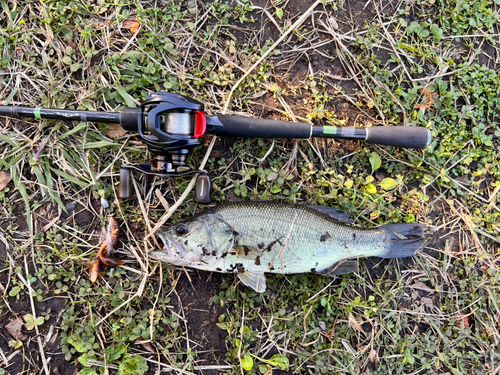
124, 187
202, 189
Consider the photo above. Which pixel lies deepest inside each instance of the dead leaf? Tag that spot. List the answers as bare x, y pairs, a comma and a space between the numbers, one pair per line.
19, 52
2, 288
116, 131
322, 325
373, 357
462, 318
71, 44
14, 329
334, 23
354, 324
420, 285
133, 25
146, 345
428, 302
5, 178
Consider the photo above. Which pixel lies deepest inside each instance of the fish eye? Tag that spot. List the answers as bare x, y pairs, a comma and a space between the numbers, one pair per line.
181, 229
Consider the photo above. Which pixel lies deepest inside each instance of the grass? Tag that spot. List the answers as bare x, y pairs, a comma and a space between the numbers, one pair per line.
427, 63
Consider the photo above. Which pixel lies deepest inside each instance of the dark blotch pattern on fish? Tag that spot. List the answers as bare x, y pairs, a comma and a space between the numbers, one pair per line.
324, 237
246, 250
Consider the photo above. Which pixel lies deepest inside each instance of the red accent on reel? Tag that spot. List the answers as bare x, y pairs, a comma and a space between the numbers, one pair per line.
201, 124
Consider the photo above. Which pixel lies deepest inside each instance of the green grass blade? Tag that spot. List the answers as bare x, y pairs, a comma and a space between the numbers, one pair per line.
76, 129
9, 140
125, 96
100, 144
70, 178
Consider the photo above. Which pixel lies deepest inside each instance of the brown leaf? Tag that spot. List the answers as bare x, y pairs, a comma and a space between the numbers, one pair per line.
420, 285
462, 318
5, 178
428, 302
71, 44
146, 345
14, 329
373, 357
133, 25
354, 324
116, 131
334, 23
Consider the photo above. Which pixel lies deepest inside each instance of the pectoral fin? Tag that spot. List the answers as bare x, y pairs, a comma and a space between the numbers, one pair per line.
247, 252
253, 279
341, 268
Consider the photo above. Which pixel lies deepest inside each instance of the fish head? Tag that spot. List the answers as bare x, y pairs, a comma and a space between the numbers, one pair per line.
199, 242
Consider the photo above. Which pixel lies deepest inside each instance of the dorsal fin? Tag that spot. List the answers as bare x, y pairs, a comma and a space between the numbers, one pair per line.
336, 213
340, 215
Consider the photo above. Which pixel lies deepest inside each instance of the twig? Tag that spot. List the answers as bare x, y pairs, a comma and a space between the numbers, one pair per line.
272, 48
167, 215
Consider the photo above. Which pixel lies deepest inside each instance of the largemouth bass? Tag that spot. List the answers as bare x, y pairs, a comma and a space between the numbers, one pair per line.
251, 238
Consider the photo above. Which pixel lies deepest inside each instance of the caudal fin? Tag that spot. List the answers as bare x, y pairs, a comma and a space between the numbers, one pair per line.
404, 239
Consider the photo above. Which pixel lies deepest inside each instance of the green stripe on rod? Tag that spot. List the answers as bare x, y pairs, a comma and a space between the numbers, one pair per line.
37, 113
329, 129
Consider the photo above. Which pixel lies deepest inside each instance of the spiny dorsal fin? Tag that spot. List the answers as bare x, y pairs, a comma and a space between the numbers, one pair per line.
254, 279
340, 215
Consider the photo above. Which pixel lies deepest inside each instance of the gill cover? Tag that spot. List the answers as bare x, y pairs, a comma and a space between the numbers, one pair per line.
199, 242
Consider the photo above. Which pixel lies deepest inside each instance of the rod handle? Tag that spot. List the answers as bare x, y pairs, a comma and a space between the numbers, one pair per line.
399, 136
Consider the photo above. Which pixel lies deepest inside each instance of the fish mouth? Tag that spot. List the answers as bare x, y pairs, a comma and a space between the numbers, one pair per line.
157, 254
162, 254
166, 241
174, 249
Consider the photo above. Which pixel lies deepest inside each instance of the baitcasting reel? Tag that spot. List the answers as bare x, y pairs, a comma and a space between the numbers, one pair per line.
171, 125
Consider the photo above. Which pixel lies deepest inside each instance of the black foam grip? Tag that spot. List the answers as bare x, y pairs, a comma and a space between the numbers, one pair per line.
399, 136
129, 119
246, 127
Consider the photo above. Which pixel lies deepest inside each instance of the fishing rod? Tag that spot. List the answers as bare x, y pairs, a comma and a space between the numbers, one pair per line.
171, 125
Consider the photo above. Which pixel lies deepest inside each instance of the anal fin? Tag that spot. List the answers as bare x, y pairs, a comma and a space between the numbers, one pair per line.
341, 268
254, 279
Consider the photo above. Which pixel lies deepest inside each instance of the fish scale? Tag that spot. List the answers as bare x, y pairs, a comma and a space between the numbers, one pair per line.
303, 238
251, 238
